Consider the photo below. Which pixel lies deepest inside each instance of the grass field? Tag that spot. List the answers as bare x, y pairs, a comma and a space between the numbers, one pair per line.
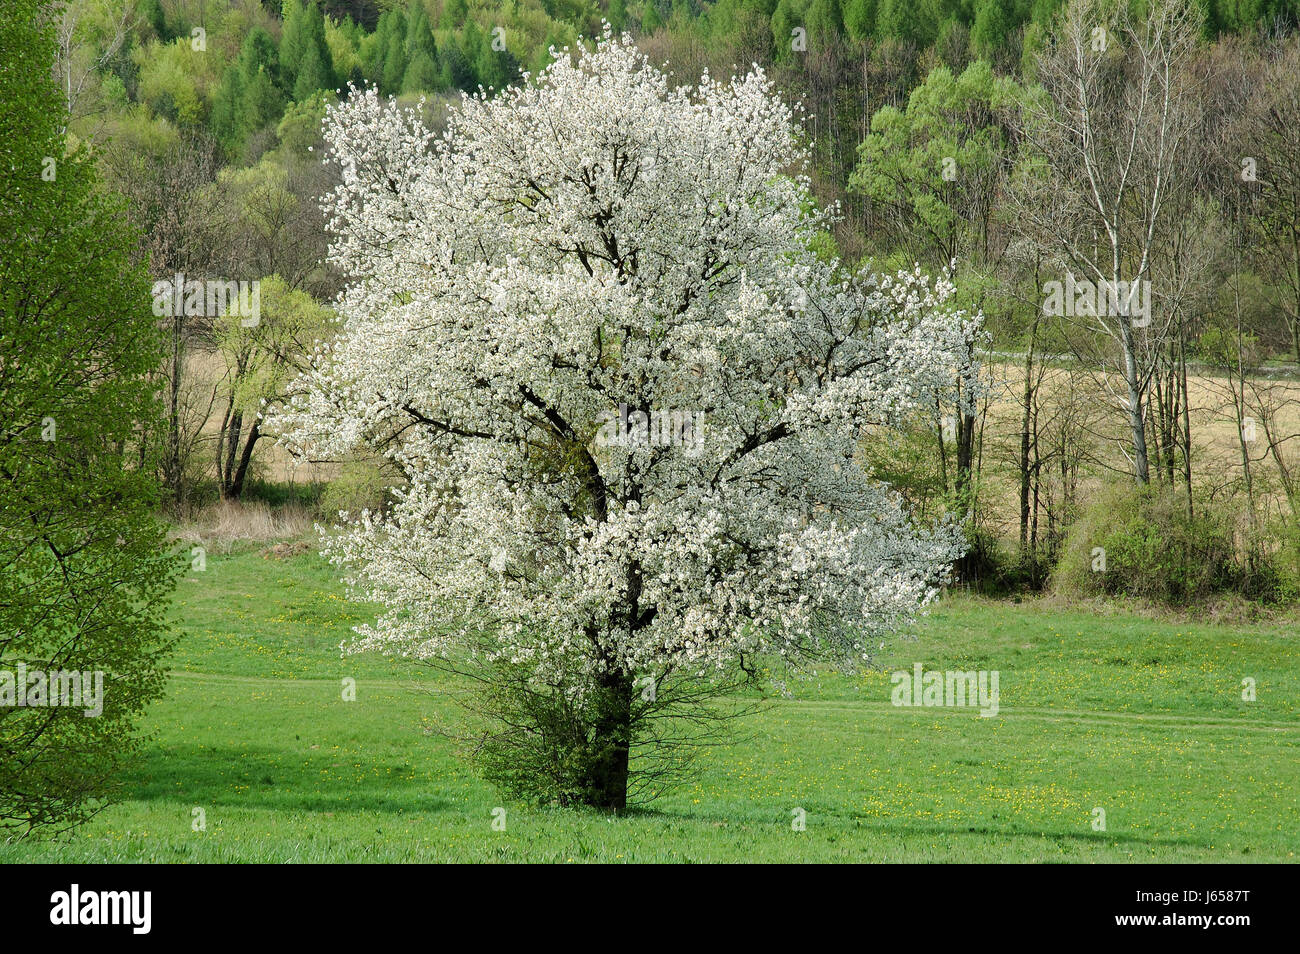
1141, 718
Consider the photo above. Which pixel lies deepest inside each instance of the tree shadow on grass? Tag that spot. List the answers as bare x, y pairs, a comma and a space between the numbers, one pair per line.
851, 822
272, 778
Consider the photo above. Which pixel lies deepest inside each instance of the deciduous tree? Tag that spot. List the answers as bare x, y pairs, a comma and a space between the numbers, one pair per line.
84, 574
592, 248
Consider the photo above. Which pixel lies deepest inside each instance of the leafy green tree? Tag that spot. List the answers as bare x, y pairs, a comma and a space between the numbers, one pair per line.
312, 76
293, 38
262, 362
394, 55
860, 18
299, 131
907, 21
994, 20
344, 41
940, 165
940, 162
825, 22
304, 51
84, 571
651, 18
172, 78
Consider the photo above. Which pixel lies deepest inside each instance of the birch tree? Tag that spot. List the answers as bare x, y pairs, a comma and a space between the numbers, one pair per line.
1112, 132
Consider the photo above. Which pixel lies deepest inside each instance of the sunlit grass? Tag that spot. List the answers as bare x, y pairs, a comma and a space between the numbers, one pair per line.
1142, 719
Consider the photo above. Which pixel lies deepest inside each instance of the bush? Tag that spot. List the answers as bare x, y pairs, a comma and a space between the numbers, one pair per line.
1274, 575
988, 567
359, 485
1144, 542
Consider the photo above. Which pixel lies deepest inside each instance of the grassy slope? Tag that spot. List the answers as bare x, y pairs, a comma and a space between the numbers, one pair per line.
1143, 719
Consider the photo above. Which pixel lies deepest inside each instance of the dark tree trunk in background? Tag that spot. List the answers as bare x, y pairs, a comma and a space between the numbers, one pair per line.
173, 465
232, 460
235, 487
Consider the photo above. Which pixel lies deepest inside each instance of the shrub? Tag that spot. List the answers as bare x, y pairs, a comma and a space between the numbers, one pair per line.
362, 484
1274, 574
1145, 542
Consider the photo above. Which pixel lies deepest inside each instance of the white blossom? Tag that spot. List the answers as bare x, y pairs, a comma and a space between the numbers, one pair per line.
596, 239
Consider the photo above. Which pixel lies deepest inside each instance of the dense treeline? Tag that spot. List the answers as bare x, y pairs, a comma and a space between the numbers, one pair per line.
947, 132
268, 58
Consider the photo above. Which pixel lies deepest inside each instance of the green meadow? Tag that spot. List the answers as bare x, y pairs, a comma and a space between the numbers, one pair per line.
1143, 719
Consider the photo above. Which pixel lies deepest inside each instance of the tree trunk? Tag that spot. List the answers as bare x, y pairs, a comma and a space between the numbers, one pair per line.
1187, 424
173, 470
607, 770
1136, 419
241, 471
1027, 406
1294, 321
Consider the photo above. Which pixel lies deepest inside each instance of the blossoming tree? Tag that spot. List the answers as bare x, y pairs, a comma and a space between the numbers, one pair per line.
598, 244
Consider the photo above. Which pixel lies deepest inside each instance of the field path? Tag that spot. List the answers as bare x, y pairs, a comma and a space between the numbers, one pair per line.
1044, 713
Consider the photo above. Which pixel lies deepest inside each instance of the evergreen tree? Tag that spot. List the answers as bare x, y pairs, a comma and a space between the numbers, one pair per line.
152, 11
304, 33
394, 62
263, 103
227, 103
312, 76
293, 39
618, 15
542, 58
993, 22
906, 21
258, 53
419, 35
249, 95
651, 19
422, 75
825, 22
860, 18
374, 49
788, 15
315, 30
473, 41
456, 72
